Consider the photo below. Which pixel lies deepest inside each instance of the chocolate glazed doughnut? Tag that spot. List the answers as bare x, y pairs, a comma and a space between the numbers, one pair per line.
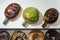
50, 16
36, 34
4, 35
52, 33
58, 36
11, 11
19, 35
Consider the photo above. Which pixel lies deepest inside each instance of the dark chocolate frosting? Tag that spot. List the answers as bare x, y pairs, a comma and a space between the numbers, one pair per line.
52, 35
51, 15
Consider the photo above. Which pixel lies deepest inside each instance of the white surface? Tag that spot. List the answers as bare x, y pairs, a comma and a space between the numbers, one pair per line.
41, 5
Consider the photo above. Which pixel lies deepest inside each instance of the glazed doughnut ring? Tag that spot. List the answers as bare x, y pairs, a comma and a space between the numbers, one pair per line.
36, 34
19, 35
52, 33
4, 35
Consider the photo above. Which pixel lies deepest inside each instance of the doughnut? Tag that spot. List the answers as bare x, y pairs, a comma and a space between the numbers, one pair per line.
50, 16
11, 11
19, 35
52, 33
4, 35
36, 34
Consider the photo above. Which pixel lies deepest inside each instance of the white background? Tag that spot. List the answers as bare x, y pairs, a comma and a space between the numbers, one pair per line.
41, 5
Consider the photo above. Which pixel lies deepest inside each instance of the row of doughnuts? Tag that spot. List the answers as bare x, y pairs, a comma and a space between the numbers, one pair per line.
30, 14
33, 35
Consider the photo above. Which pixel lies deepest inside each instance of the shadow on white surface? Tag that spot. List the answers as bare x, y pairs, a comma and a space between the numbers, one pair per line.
26, 25
48, 26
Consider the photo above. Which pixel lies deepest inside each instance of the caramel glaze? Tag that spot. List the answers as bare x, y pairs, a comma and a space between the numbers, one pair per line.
36, 34
12, 10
